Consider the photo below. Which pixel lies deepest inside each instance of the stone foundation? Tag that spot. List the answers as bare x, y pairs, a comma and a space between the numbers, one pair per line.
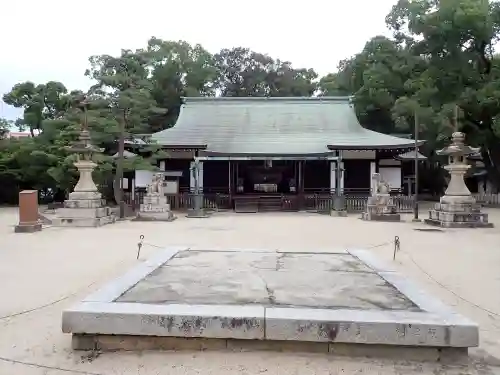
341, 213
155, 208
140, 343
28, 228
197, 214
373, 216
345, 301
458, 215
377, 212
84, 213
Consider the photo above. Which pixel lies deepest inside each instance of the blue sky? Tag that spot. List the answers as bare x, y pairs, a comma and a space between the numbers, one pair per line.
52, 40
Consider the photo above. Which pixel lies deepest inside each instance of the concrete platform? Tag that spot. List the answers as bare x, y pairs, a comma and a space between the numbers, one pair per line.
346, 297
155, 216
458, 224
369, 216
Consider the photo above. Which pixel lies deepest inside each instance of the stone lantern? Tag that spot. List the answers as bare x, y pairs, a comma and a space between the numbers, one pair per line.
85, 206
457, 208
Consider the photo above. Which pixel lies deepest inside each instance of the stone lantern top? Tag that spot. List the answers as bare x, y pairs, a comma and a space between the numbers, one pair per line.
84, 147
457, 149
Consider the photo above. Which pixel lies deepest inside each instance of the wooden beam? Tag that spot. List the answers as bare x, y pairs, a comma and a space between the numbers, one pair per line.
322, 157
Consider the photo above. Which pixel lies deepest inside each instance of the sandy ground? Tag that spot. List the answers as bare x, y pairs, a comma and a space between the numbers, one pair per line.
462, 267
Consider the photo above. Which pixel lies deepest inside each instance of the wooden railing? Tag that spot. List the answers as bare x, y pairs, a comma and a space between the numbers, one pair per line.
488, 200
322, 202
184, 201
214, 201
353, 203
314, 202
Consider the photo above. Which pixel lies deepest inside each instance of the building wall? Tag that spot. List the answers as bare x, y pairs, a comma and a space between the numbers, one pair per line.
391, 172
181, 165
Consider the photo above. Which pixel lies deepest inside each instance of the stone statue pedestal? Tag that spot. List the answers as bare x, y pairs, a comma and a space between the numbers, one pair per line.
84, 208
155, 208
457, 208
380, 207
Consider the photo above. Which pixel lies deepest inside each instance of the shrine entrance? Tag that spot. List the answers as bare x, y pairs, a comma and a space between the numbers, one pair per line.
266, 185
267, 177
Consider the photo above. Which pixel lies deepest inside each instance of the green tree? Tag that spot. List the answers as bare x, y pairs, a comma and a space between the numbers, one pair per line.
177, 69
123, 100
377, 77
39, 102
242, 72
455, 38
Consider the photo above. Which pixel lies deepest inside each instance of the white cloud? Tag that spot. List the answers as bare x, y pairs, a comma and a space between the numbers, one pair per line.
52, 39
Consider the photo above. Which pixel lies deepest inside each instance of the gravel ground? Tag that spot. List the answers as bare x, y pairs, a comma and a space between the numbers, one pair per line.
57, 267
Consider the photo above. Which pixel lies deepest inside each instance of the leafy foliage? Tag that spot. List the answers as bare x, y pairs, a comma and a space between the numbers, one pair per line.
242, 72
5, 127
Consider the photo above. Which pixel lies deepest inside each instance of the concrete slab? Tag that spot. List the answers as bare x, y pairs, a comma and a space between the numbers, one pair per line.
239, 322
340, 297
284, 279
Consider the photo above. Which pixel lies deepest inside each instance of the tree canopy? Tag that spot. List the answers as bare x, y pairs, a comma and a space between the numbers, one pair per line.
440, 55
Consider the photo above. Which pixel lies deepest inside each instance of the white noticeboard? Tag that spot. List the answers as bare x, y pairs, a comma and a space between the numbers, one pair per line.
171, 186
392, 176
143, 178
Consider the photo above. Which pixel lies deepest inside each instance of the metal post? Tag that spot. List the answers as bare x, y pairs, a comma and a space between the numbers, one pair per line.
415, 202
339, 206
197, 211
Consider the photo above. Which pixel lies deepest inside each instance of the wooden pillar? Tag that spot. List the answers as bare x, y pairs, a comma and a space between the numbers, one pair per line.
373, 170
333, 177
300, 186
197, 175
230, 186
191, 177
300, 182
303, 174
28, 212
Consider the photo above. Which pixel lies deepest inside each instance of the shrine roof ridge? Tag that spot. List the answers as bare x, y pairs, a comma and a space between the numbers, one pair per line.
225, 99
273, 126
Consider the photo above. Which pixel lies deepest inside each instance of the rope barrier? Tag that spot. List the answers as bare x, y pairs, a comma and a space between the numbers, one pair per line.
397, 248
47, 304
140, 244
46, 367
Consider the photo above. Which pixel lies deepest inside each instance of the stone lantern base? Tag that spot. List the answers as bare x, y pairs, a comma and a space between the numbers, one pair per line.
458, 215
84, 212
84, 208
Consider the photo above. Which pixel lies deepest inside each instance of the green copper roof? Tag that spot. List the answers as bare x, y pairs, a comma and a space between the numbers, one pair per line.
410, 155
273, 126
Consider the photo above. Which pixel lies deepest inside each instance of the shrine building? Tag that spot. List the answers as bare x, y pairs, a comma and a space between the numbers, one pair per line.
260, 149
